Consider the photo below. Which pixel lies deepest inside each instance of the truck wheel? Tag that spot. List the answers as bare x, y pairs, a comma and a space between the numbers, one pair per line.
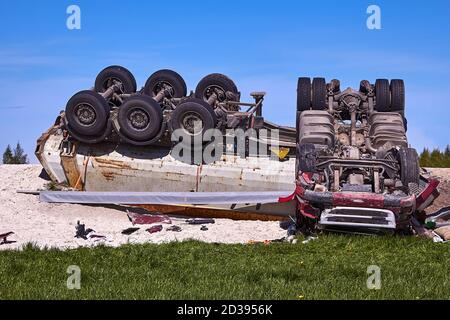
155, 83
397, 95
409, 165
140, 118
205, 105
191, 119
383, 95
87, 113
303, 94
106, 77
219, 84
319, 94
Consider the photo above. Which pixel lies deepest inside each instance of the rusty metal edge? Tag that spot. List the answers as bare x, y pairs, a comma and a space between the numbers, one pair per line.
203, 212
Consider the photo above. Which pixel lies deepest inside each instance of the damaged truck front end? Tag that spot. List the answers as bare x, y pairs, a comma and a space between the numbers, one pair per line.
355, 169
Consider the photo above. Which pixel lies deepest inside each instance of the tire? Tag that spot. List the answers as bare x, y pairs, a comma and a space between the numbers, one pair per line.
383, 95
169, 77
205, 105
219, 81
87, 113
140, 118
319, 94
303, 94
397, 95
409, 165
102, 82
196, 111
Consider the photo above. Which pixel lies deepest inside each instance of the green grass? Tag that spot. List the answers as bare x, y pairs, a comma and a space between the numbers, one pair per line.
332, 267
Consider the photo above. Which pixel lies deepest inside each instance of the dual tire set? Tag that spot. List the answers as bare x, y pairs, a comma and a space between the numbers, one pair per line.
389, 95
140, 115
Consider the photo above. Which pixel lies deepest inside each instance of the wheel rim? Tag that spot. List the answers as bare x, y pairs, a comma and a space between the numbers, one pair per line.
218, 90
163, 85
85, 114
138, 119
192, 123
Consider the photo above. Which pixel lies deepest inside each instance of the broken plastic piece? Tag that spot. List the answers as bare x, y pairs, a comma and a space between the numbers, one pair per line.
4, 238
155, 229
174, 228
148, 219
129, 231
200, 221
81, 231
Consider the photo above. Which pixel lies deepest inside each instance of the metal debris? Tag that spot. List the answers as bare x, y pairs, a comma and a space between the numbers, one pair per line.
81, 231
129, 231
155, 229
137, 218
200, 221
4, 238
174, 228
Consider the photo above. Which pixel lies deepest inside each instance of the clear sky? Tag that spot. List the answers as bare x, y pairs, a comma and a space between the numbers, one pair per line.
261, 45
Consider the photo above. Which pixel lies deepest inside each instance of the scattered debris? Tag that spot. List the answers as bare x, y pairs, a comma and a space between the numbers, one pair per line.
265, 242
155, 229
4, 238
129, 231
443, 233
204, 228
97, 237
440, 218
420, 229
81, 231
137, 218
174, 228
200, 221
309, 239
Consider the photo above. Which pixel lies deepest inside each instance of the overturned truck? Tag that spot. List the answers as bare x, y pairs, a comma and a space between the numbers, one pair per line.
348, 158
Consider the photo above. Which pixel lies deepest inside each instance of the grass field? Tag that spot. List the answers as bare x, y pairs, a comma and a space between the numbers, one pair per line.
332, 267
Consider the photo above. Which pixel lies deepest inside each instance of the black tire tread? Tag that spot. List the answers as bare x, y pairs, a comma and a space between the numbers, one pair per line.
397, 95
123, 74
303, 94
383, 95
100, 105
177, 82
216, 78
319, 94
409, 165
154, 111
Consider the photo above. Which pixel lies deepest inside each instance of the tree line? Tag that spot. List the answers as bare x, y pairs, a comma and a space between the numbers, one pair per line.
435, 158
16, 156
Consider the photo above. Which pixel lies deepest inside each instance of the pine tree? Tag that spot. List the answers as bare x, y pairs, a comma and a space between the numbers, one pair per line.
447, 156
8, 155
20, 157
425, 158
436, 158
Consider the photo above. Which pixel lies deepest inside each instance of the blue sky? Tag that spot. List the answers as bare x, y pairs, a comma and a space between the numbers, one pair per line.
262, 45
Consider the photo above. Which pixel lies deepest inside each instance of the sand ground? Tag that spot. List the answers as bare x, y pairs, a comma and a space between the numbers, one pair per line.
53, 225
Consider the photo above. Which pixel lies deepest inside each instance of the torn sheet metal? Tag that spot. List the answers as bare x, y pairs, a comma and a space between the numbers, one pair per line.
137, 218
